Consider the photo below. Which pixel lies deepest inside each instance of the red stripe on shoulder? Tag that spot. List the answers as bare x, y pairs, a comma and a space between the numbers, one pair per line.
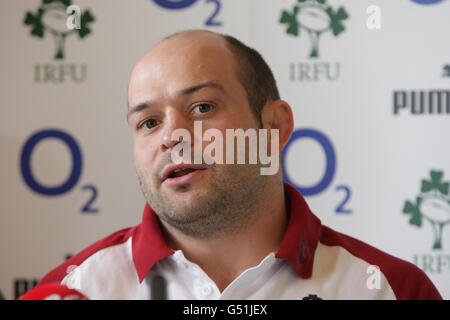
58, 273
406, 280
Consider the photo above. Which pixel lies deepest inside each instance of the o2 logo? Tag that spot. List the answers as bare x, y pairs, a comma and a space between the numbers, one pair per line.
211, 21
330, 168
72, 180
427, 1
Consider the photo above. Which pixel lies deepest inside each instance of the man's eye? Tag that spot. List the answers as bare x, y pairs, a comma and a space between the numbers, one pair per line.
149, 124
203, 108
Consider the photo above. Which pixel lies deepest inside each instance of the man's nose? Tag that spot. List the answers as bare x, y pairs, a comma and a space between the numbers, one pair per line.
175, 120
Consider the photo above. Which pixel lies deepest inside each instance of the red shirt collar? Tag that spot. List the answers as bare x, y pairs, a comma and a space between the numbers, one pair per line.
298, 246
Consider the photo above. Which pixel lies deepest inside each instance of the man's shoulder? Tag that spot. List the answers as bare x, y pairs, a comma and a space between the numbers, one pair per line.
406, 280
116, 238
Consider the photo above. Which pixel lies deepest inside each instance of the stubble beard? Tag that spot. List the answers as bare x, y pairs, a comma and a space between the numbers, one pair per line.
227, 206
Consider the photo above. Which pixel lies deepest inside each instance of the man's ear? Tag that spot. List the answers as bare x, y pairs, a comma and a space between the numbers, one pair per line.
278, 115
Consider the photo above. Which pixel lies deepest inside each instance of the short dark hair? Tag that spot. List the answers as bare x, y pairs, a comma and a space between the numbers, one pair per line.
255, 75
253, 72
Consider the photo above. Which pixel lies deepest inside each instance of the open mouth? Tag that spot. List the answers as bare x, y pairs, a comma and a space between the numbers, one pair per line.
180, 172
176, 175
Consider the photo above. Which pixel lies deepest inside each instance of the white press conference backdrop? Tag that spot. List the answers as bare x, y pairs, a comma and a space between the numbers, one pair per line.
368, 81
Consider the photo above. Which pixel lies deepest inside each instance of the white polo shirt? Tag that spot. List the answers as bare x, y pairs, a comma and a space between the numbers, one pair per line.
313, 262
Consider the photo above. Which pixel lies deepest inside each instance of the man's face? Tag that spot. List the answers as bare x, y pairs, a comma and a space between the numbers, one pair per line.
190, 78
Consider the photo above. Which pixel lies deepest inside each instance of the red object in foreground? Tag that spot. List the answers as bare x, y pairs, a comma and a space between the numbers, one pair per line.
53, 291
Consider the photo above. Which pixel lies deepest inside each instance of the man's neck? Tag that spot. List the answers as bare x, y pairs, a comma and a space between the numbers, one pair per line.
225, 258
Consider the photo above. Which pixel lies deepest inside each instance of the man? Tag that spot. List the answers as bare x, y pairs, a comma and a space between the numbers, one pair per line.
223, 231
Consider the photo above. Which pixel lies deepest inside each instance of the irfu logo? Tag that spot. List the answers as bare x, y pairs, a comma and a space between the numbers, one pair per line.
314, 17
51, 17
432, 204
